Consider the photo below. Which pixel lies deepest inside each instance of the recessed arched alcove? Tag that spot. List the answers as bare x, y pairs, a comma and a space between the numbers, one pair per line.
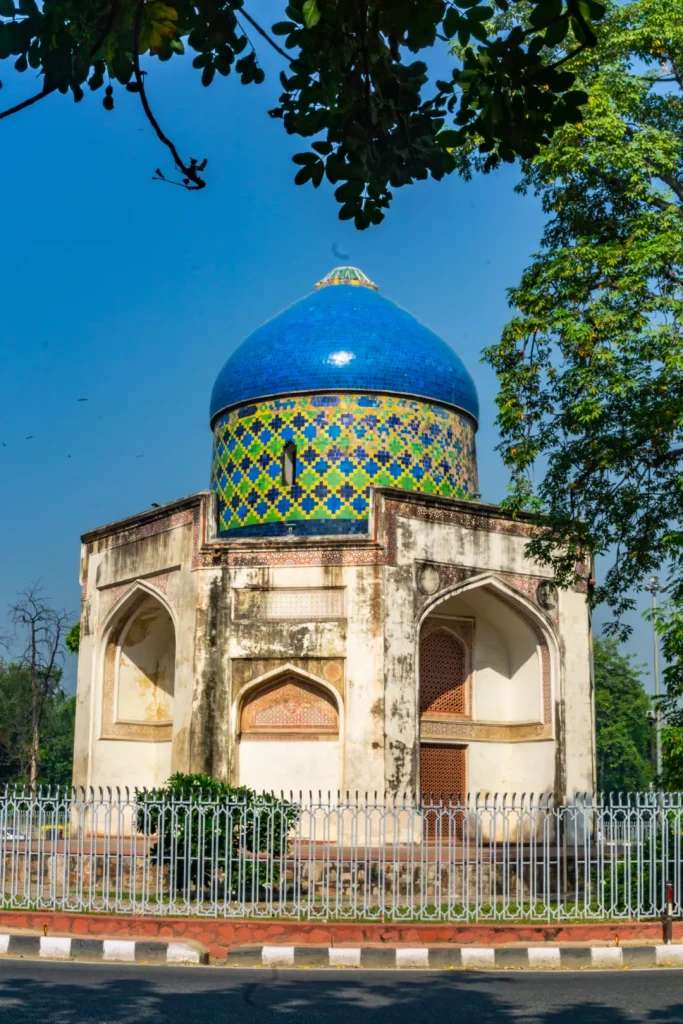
139, 670
484, 679
146, 665
504, 651
289, 736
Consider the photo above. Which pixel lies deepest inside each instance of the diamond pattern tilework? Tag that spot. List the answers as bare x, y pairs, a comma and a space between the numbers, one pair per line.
346, 443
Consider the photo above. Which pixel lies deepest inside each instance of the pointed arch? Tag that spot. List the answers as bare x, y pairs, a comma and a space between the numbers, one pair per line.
514, 665
289, 708
281, 672
138, 666
135, 591
288, 725
513, 597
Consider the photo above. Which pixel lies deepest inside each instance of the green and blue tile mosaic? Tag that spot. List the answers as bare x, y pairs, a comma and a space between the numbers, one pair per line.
345, 444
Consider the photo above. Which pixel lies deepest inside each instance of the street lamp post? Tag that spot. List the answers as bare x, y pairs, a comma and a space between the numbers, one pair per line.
652, 586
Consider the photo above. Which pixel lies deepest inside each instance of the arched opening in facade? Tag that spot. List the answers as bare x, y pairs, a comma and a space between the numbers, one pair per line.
139, 671
484, 696
289, 464
289, 736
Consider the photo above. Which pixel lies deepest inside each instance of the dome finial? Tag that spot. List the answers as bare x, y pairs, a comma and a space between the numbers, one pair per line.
346, 275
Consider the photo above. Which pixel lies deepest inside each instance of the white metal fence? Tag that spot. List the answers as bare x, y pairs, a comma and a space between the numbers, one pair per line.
344, 857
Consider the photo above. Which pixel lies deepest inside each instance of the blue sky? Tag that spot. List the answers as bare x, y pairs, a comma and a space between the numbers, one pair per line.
130, 294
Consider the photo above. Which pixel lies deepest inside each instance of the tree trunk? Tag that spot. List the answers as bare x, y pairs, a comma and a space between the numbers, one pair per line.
35, 730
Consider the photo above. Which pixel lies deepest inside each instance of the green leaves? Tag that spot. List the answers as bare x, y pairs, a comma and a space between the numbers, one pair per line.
557, 31
354, 90
72, 640
312, 169
350, 79
210, 842
623, 731
590, 366
311, 13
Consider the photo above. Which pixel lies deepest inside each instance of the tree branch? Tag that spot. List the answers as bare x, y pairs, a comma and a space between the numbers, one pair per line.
108, 25
673, 183
193, 180
26, 103
262, 32
567, 56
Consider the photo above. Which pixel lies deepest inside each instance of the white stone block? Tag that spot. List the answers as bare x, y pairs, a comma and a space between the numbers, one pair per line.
544, 956
671, 955
341, 956
417, 957
4, 943
55, 948
478, 956
182, 953
607, 956
122, 950
277, 956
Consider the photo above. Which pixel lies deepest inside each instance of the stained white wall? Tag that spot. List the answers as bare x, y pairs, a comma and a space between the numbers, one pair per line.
511, 767
294, 765
131, 763
106, 574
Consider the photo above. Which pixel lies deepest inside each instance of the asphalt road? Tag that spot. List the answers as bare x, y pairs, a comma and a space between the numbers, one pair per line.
71, 993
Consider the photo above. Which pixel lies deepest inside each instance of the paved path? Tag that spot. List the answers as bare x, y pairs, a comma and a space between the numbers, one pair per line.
51, 993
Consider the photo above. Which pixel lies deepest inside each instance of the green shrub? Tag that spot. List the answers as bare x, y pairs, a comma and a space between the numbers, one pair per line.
213, 838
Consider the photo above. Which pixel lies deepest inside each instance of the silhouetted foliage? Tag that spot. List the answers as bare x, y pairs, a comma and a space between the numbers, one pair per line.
350, 80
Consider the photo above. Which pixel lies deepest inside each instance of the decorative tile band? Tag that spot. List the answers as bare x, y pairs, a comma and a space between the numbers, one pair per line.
343, 445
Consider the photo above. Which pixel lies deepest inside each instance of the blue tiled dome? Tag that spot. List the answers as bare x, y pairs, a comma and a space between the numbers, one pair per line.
344, 337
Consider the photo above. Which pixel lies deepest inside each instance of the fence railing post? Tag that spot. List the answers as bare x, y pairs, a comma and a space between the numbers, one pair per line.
517, 857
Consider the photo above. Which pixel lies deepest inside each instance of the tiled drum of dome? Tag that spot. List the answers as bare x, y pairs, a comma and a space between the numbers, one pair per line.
344, 445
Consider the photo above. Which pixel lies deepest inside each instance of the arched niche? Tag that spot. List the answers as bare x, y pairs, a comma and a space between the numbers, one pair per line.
510, 659
507, 671
139, 670
289, 736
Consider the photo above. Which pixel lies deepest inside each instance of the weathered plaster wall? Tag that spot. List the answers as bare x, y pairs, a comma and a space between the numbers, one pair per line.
296, 766
117, 568
146, 666
464, 549
577, 694
511, 767
344, 651
346, 613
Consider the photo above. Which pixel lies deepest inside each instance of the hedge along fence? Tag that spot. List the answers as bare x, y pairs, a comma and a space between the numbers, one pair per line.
197, 846
213, 838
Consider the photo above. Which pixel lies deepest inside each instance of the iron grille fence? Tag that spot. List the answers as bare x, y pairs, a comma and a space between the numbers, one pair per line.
344, 856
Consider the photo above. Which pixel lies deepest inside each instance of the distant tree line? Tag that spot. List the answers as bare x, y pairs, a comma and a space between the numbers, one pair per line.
36, 715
